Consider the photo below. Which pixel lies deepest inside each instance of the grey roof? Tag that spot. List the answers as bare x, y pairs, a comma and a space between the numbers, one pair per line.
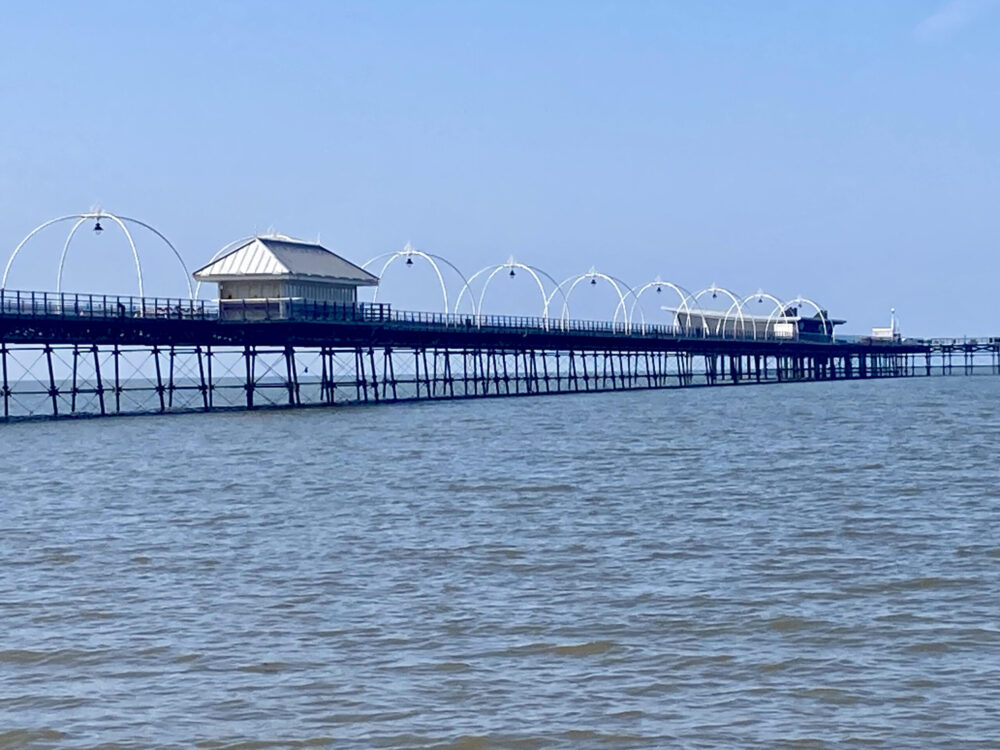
714, 315
283, 257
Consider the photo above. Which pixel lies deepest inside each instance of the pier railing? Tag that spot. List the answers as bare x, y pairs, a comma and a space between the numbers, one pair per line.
101, 306
302, 310
25, 304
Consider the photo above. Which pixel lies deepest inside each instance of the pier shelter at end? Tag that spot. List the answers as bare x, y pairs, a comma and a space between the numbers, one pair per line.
267, 275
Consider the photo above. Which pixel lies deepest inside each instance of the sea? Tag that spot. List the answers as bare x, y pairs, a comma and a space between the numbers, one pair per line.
811, 565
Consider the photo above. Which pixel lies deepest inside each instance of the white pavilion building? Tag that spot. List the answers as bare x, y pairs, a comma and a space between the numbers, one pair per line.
266, 274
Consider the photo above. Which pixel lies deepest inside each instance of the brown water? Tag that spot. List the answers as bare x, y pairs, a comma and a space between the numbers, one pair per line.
812, 565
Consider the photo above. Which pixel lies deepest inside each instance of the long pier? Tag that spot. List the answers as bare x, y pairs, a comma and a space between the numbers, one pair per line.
72, 355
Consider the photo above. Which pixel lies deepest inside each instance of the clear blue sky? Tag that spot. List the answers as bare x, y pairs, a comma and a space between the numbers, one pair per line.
849, 150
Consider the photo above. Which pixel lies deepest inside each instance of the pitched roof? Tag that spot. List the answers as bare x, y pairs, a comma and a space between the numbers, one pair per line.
283, 257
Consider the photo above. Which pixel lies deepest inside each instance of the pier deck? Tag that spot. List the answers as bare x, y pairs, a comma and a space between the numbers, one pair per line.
82, 355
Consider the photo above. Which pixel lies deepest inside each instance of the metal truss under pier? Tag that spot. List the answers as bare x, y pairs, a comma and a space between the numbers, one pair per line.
86, 358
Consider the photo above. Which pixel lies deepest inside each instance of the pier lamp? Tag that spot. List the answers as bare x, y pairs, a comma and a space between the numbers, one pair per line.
98, 228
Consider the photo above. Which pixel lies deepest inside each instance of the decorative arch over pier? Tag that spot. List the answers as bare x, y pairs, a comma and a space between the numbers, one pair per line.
409, 252
715, 291
510, 265
760, 295
593, 275
122, 222
658, 284
800, 300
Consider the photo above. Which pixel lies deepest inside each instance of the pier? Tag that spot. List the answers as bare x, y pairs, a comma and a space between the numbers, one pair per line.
78, 355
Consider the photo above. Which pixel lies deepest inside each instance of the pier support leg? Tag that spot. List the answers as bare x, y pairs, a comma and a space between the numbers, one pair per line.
6, 382
202, 385
248, 357
100, 382
116, 354
74, 389
160, 390
371, 361
53, 390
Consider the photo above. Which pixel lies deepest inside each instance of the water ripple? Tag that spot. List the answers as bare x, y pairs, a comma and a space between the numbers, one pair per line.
789, 567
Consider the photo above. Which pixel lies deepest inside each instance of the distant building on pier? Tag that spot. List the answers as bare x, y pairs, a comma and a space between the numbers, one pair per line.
269, 274
789, 323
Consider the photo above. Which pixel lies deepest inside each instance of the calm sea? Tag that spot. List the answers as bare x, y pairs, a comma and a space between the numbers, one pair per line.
813, 565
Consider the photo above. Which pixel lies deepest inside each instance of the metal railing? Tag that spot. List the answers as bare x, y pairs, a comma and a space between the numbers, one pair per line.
295, 309
20, 304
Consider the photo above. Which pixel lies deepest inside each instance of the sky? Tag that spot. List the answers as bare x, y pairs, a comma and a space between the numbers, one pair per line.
848, 152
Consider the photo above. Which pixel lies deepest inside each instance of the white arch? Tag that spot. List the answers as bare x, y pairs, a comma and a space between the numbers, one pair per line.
760, 295
408, 252
419, 254
511, 264
800, 300
97, 216
715, 291
683, 293
32, 233
594, 275
131, 243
